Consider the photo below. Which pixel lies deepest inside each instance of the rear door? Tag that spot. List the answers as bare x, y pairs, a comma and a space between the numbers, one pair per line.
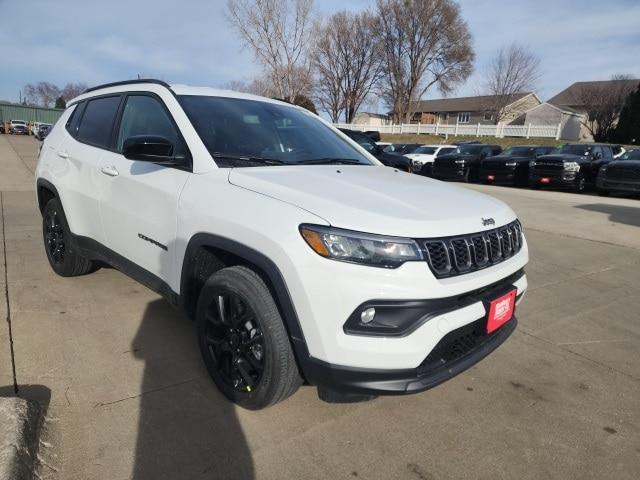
87, 138
140, 198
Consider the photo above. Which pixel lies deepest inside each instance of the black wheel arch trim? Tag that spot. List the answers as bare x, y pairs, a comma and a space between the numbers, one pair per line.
43, 183
270, 269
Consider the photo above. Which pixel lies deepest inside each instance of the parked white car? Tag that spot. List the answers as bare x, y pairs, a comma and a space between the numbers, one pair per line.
299, 256
426, 154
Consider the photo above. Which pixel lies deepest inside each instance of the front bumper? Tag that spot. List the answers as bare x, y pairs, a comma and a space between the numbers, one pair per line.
498, 176
459, 328
450, 172
467, 345
554, 179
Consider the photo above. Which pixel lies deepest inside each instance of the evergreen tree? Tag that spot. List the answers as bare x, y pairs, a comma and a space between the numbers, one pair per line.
628, 128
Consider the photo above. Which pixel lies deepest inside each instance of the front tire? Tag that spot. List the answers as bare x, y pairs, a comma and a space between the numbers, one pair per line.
580, 184
59, 245
243, 341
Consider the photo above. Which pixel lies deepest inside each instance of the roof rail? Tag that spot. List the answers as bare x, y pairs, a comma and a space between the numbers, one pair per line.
128, 82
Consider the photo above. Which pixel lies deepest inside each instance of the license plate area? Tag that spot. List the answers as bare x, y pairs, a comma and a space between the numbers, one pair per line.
501, 310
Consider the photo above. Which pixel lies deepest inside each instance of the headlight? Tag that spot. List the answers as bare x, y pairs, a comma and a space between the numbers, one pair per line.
510, 164
363, 248
571, 167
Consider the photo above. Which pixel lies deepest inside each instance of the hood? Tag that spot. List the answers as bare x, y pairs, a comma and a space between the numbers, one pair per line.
376, 199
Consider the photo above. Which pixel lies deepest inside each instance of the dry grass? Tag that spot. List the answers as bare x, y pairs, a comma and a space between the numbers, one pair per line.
438, 139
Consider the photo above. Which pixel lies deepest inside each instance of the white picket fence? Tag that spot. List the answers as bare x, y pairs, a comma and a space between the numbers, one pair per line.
499, 131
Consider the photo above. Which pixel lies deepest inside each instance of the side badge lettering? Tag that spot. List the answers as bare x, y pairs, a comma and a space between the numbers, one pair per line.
151, 240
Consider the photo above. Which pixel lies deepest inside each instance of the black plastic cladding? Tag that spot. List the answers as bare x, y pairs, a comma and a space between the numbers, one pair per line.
451, 256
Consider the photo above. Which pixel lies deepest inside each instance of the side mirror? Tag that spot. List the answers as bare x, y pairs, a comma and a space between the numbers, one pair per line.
149, 148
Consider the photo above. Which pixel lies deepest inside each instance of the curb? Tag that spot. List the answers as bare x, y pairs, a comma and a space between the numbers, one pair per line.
19, 426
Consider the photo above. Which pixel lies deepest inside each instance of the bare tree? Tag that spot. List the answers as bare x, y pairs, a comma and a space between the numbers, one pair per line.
328, 73
72, 90
425, 43
278, 33
514, 70
347, 58
43, 94
603, 102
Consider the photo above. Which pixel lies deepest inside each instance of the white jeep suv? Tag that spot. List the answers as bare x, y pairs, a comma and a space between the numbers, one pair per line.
299, 256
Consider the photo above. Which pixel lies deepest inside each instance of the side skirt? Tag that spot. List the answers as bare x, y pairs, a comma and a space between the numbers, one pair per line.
96, 251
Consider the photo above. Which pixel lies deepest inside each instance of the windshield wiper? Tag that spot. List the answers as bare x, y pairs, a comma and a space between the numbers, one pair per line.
330, 161
248, 158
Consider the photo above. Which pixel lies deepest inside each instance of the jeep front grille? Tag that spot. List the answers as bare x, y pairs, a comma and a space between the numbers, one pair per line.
451, 256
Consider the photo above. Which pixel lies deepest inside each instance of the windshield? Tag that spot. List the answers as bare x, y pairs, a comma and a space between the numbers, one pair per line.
446, 151
18, 122
631, 155
241, 132
581, 150
425, 150
469, 149
519, 151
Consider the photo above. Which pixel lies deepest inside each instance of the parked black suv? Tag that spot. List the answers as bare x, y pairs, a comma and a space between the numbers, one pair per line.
621, 175
574, 165
388, 159
464, 164
511, 167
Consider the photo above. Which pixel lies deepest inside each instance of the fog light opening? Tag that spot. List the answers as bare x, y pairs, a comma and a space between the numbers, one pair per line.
368, 315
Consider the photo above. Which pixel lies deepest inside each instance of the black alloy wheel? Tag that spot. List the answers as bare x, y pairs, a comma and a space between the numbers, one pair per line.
54, 237
235, 342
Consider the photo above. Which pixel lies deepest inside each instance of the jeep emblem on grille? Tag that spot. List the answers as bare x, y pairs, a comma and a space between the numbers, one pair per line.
488, 221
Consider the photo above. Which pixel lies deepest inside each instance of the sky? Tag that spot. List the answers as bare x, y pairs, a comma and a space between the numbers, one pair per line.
190, 41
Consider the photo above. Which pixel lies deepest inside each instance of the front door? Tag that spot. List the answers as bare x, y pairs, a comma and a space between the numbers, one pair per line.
140, 198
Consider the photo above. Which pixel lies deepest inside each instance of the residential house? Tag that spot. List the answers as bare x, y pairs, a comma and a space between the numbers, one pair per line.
472, 110
573, 98
371, 119
569, 120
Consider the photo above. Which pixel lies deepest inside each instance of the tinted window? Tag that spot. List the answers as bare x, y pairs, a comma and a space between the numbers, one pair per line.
469, 149
425, 150
543, 150
607, 154
72, 122
240, 128
446, 151
631, 155
582, 150
145, 115
97, 121
519, 151
597, 152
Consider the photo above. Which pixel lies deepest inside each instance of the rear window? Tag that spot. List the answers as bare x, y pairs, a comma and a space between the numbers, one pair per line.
97, 122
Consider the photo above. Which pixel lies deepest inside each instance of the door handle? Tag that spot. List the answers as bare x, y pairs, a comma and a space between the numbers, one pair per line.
110, 170
63, 154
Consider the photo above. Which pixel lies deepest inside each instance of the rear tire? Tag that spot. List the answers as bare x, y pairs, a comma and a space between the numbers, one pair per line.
243, 341
61, 249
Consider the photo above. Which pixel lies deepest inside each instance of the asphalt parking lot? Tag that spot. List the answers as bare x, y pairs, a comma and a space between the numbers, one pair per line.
127, 396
